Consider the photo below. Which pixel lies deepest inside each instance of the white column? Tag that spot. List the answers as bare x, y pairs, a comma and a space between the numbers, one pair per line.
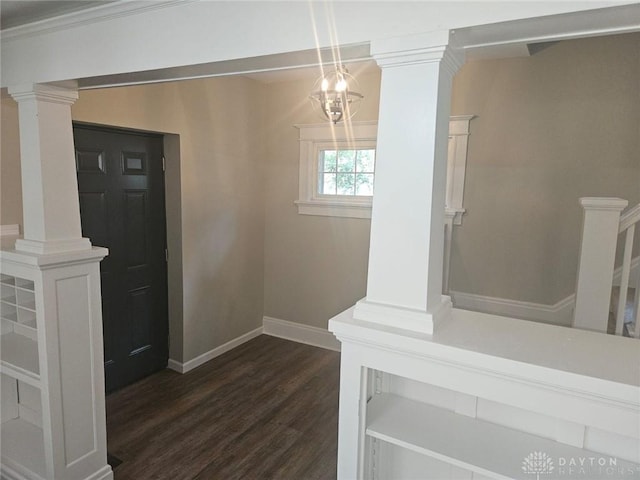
65, 271
404, 286
597, 257
49, 184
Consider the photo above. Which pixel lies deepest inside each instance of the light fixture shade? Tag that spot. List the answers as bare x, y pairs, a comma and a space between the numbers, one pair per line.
335, 95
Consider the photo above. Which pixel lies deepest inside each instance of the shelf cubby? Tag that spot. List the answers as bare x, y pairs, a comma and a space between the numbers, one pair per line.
19, 339
482, 447
19, 357
8, 312
23, 448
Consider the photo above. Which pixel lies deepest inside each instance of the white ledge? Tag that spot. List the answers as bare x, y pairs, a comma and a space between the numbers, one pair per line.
498, 358
478, 339
53, 260
334, 209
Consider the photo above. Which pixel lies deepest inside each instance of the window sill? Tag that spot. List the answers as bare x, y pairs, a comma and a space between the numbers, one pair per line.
333, 208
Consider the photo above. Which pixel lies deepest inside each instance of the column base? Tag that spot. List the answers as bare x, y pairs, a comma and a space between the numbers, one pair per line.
404, 318
52, 246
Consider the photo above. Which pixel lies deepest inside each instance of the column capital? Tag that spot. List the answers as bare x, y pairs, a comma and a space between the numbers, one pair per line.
432, 47
603, 203
43, 92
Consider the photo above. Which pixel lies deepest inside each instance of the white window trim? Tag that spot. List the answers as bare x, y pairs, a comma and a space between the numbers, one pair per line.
457, 166
324, 136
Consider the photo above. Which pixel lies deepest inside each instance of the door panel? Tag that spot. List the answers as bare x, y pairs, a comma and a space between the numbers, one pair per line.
121, 185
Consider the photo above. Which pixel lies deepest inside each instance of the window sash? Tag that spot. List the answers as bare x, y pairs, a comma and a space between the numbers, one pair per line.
357, 172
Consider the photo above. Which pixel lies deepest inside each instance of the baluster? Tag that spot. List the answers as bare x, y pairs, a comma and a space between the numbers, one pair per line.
636, 306
624, 280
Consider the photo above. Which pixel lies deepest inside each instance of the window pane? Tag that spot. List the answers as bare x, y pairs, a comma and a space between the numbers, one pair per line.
329, 184
328, 161
364, 184
346, 183
366, 160
346, 160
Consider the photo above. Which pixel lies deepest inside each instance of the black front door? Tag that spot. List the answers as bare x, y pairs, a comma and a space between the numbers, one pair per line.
121, 186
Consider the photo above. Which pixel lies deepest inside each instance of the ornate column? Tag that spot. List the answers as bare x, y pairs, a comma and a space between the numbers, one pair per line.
49, 184
404, 285
52, 347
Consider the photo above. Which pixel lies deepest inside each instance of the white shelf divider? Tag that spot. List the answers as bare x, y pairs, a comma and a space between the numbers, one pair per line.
19, 358
488, 449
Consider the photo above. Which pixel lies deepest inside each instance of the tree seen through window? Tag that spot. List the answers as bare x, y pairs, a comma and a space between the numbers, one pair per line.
346, 172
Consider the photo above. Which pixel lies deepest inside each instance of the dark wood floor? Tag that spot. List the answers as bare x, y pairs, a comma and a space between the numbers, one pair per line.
265, 410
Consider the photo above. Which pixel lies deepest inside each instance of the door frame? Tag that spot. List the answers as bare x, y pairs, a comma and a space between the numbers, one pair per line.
173, 232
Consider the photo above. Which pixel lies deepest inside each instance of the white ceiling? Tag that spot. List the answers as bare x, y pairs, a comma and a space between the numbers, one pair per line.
14, 13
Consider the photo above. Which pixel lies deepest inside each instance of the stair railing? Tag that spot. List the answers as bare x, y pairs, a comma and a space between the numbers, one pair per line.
628, 222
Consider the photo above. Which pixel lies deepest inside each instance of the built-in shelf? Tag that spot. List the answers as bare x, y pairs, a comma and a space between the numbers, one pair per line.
19, 357
45, 435
27, 329
19, 334
23, 448
488, 449
24, 284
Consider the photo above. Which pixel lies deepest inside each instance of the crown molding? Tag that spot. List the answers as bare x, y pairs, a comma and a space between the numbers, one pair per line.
88, 16
47, 93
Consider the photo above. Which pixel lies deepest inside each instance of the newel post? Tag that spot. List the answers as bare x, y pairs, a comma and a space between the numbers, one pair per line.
596, 264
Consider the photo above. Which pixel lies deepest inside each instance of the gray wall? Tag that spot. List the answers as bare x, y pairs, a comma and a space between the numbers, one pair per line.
315, 267
551, 128
217, 166
10, 188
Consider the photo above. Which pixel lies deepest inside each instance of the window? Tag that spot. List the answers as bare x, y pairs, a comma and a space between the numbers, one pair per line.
346, 172
337, 169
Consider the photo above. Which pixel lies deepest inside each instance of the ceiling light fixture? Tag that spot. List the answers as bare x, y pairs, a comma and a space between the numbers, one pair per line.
333, 93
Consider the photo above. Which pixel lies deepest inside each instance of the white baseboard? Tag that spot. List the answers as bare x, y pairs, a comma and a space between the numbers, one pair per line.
318, 337
211, 354
9, 230
559, 314
105, 473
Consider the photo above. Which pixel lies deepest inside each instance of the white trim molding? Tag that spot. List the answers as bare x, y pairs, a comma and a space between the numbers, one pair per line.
560, 313
457, 165
557, 314
9, 230
213, 353
317, 337
318, 136
83, 17
456, 172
